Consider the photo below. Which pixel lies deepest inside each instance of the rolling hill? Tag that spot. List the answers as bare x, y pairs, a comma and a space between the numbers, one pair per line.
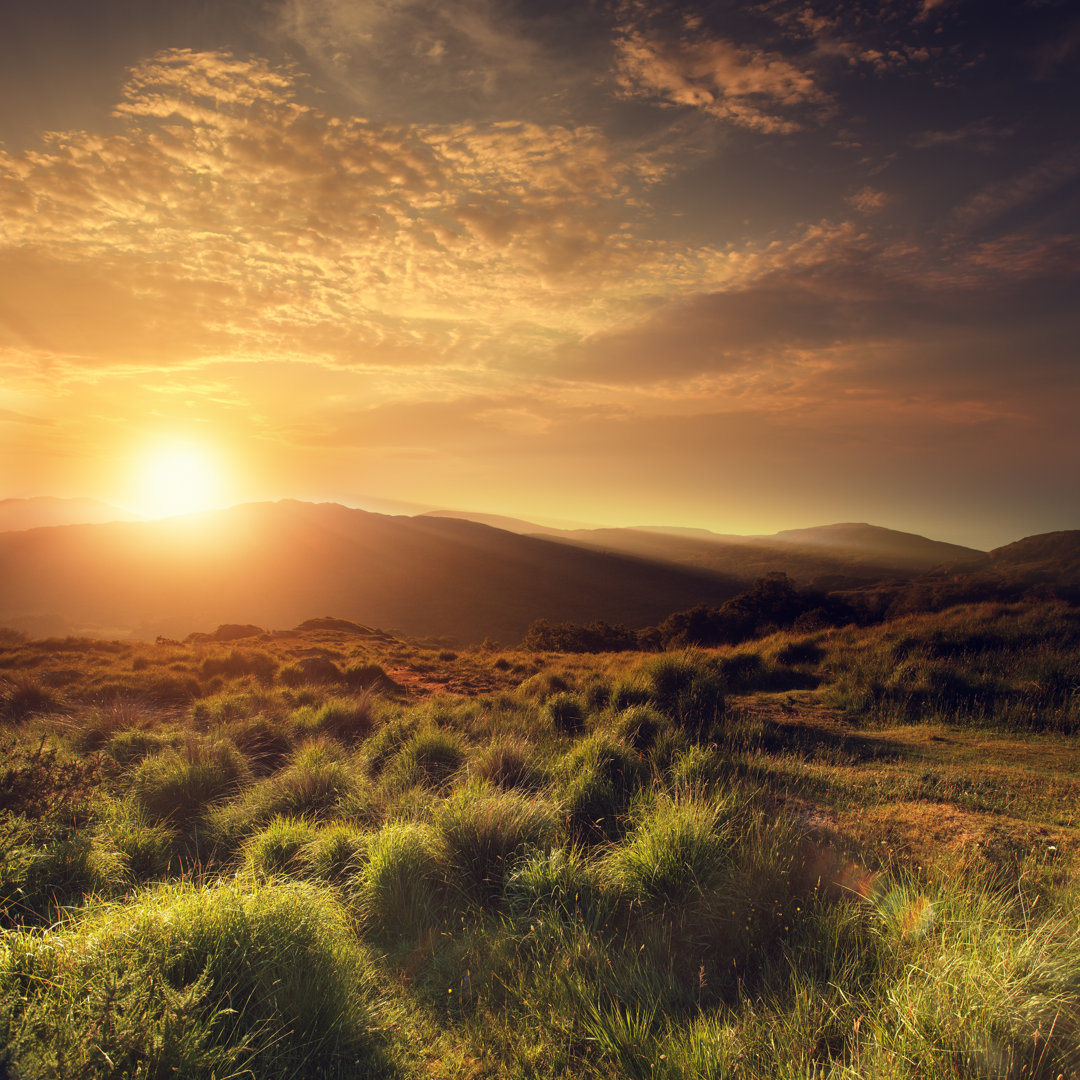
827, 556
275, 564
44, 510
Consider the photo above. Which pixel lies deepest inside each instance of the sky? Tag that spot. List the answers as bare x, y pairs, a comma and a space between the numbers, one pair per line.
739, 266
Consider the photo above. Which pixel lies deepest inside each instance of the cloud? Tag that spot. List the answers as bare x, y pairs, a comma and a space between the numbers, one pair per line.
743, 85
1001, 197
447, 61
231, 219
869, 200
984, 135
12, 417
864, 327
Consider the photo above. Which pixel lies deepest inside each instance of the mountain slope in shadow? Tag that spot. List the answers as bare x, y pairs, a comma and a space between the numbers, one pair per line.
275, 564
827, 556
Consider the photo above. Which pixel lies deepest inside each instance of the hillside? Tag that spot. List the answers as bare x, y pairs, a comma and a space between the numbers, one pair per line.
1048, 557
878, 546
827, 556
274, 563
333, 853
44, 511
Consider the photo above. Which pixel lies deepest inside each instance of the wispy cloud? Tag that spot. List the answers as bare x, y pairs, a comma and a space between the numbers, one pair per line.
745, 85
868, 200
997, 199
230, 219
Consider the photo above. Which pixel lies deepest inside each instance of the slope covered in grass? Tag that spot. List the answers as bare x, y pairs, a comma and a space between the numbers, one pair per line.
813, 855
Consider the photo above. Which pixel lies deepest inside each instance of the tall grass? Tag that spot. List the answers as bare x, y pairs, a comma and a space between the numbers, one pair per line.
265, 981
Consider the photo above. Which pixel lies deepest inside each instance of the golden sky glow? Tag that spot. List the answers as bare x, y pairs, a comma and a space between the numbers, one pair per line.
631, 263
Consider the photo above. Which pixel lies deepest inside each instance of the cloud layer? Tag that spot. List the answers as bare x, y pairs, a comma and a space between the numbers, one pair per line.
430, 249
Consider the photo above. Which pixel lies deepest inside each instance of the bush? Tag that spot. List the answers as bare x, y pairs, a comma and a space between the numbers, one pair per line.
597, 778
677, 851
400, 885
177, 785
565, 712
480, 834
184, 981
688, 689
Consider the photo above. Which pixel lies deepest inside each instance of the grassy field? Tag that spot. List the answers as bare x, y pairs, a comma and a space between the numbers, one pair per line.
333, 853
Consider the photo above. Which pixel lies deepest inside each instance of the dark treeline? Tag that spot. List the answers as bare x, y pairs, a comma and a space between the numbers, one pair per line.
775, 602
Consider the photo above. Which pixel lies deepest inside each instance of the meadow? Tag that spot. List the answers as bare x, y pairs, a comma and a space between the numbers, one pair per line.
332, 852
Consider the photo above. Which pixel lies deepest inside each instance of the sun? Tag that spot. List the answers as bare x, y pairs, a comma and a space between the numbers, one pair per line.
179, 477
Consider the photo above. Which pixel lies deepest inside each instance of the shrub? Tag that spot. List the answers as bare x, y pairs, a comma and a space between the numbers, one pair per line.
479, 834
565, 712
677, 851
400, 885
688, 689
42, 782
178, 784
430, 757
186, 981
597, 778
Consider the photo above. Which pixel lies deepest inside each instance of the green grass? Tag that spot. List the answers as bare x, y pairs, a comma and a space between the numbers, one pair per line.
838, 854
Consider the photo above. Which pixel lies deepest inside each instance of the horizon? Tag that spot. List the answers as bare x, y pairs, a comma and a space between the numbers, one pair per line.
393, 508
744, 270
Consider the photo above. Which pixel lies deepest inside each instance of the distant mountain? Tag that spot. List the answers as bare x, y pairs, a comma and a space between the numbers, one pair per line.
883, 547
1048, 557
45, 510
827, 561
497, 521
827, 556
275, 564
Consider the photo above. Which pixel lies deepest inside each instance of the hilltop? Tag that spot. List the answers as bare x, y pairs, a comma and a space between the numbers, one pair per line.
273, 563
443, 575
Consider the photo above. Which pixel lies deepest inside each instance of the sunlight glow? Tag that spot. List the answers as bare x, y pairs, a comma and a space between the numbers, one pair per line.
179, 478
